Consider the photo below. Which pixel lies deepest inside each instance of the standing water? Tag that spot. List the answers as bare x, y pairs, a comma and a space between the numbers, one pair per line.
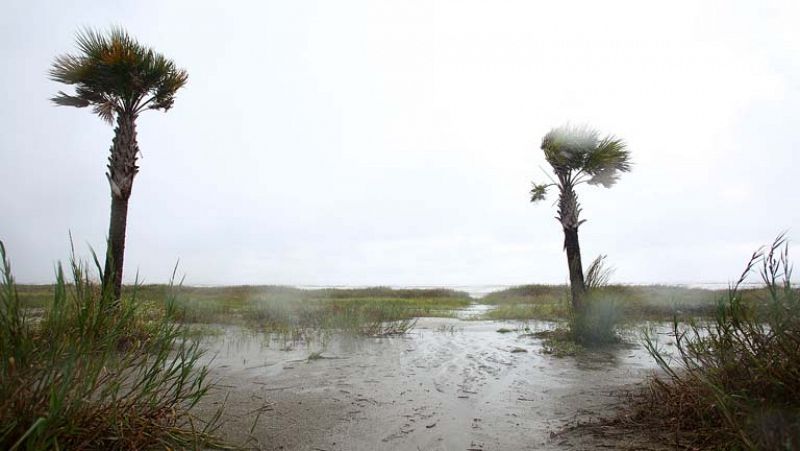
450, 384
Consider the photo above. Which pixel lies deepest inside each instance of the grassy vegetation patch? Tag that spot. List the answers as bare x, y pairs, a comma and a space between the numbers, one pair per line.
558, 343
632, 303
375, 311
733, 382
96, 373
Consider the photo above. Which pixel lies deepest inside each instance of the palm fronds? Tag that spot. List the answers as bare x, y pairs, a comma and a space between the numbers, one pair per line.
114, 73
566, 147
538, 191
580, 149
577, 154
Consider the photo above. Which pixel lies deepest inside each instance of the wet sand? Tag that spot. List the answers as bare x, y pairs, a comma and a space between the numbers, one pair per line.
447, 385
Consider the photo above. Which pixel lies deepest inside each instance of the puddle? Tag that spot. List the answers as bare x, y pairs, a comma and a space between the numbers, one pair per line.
474, 311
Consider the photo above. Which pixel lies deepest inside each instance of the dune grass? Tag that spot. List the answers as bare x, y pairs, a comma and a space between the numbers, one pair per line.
733, 381
91, 373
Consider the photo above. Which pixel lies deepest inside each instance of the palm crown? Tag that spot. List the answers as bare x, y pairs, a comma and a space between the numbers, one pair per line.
578, 155
115, 74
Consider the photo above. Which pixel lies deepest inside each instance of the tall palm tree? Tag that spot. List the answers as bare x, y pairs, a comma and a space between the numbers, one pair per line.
119, 78
578, 155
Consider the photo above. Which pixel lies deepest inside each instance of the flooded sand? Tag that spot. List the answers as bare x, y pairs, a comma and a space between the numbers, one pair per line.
448, 385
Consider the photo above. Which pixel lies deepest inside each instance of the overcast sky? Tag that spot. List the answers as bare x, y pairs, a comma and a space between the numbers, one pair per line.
394, 142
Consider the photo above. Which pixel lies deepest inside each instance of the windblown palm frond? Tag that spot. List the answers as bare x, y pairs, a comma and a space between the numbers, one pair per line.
577, 154
65, 99
606, 161
567, 147
114, 73
609, 153
538, 192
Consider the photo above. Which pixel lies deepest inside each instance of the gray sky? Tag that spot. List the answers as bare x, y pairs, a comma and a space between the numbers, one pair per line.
394, 142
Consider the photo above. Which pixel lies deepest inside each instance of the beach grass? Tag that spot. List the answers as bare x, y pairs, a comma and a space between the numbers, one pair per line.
733, 381
92, 372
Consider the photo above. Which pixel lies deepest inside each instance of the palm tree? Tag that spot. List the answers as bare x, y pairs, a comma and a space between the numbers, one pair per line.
578, 155
119, 78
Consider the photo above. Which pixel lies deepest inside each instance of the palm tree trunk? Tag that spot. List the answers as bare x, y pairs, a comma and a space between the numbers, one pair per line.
577, 284
569, 211
115, 255
122, 169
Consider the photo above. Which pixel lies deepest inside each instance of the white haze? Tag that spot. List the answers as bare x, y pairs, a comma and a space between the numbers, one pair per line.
378, 142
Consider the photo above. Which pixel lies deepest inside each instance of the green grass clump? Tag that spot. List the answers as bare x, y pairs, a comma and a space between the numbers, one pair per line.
94, 373
559, 343
733, 382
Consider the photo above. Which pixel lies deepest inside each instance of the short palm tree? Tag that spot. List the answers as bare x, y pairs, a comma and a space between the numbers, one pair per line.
119, 78
578, 155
